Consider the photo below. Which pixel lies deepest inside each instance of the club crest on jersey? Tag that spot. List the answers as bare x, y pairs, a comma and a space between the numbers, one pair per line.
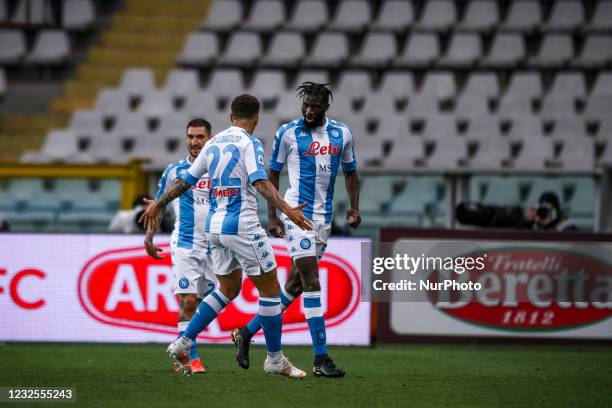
334, 133
305, 243
184, 283
316, 149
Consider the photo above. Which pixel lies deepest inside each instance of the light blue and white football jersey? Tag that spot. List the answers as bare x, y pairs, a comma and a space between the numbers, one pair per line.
313, 157
190, 209
234, 160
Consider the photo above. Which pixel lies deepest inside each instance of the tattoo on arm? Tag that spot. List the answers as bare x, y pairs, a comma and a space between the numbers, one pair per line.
267, 190
351, 181
150, 230
178, 188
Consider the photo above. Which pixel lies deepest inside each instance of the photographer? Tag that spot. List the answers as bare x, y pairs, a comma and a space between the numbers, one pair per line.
547, 215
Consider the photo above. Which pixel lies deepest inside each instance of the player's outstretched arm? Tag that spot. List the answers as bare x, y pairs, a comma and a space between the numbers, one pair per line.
295, 214
150, 216
351, 181
151, 249
275, 225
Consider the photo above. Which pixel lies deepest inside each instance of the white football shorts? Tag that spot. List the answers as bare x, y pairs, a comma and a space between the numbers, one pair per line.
250, 252
192, 270
302, 243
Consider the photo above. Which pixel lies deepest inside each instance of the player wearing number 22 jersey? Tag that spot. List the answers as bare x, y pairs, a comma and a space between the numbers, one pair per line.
234, 161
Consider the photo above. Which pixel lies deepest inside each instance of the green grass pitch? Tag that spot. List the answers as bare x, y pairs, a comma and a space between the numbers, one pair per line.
447, 376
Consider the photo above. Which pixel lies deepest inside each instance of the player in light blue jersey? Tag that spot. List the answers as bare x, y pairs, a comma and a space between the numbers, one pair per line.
191, 261
314, 148
235, 163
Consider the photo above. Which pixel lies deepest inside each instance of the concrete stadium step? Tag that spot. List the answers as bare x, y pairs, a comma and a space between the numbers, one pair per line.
111, 74
152, 41
11, 146
170, 8
107, 56
160, 24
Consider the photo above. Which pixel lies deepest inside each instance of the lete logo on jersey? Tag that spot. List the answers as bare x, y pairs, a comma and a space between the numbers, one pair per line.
126, 288
316, 149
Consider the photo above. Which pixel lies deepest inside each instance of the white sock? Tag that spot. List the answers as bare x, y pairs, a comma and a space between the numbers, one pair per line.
276, 356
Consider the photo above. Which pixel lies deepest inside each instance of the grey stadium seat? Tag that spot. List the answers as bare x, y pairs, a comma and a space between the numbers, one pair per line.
602, 17
137, 82
266, 15
308, 16
471, 105
85, 122
408, 154
58, 145
555, 106
242, 48
577, 154
491, 154
526, 127
448, 154
482, 127
568, 84
464, 50
603, 84
377, 50
268, 84
12, 46
514, 105
112, 102
508, 50
351, 16
156, 104
224, 15
437, 15
394, 15
286, 50
50, 47
199, 104
354, 84
200, 49
566, 15
524, 15
329, 50
481, 15
440, 127
439, 84
318, 76
598, 107
482, 84
378, 104
421, 50
596, 52
130, 125
180, 82
174, 123
399, 84
288, 106
525, 83
555, 51
534, 154
226, 83
78, 14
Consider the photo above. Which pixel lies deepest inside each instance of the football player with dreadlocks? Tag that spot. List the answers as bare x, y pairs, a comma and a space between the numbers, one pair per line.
313, 147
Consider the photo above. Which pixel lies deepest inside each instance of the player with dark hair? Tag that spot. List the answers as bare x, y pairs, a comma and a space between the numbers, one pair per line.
191, 261
314, 148
235, 163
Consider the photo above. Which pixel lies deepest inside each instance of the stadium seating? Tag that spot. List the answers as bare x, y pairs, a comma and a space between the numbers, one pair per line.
427, 86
